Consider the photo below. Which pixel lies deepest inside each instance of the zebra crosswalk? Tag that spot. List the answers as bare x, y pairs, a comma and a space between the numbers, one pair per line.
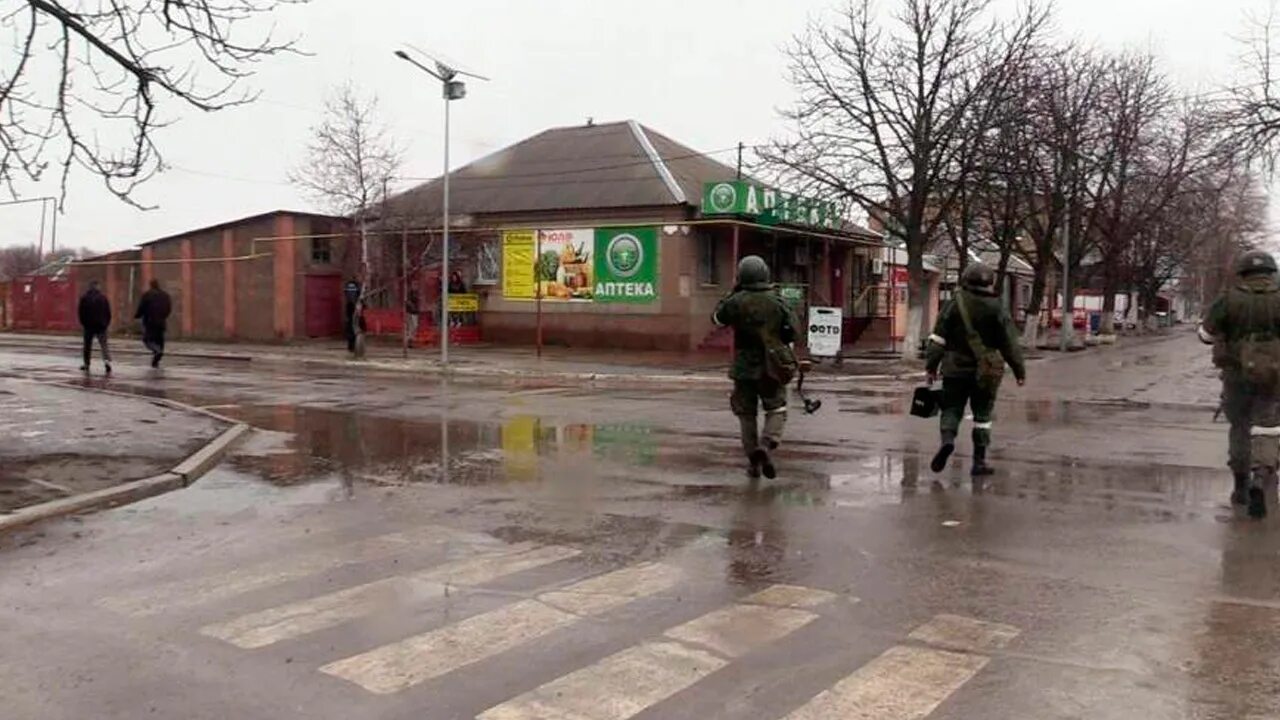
908, 681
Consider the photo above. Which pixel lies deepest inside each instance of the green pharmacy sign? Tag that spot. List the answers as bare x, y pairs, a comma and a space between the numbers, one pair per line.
626, 265
767, 205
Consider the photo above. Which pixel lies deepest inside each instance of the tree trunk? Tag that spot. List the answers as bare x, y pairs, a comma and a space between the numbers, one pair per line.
1031, 324
364, 290
1109, 288
917, 299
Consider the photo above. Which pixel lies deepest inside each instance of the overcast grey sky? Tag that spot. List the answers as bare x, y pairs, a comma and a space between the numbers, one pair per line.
708, 73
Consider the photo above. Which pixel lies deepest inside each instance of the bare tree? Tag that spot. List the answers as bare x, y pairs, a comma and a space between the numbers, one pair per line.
1146, 157
1250, 111
348, 165
18, 260
1062, 90
86, 80
886, 109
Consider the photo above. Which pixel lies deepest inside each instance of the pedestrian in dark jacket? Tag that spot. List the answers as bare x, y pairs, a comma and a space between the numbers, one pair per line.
153, 311
95, 318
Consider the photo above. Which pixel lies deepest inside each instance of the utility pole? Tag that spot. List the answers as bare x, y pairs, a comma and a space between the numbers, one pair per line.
1064, 342
740, 148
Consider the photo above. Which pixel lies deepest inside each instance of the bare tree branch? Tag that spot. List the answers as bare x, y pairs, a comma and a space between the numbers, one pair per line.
109, 65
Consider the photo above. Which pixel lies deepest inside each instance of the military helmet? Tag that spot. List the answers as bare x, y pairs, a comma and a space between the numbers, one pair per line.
753, 270
1255, 262
978, 276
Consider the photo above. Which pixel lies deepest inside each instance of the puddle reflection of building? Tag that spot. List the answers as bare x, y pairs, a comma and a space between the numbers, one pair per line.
757, 539
1238, 649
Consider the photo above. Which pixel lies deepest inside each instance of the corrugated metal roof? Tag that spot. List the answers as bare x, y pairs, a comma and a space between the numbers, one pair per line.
568, 168
239, 221
588, 167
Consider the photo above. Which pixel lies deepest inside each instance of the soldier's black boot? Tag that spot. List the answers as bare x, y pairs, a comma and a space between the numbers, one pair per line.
761, 459
940, 458
980, 466
1257, 495
1240, 491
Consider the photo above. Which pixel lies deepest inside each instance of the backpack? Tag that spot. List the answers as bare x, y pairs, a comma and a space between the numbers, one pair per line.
1259, 353
780, 364
1260, 361
990, 362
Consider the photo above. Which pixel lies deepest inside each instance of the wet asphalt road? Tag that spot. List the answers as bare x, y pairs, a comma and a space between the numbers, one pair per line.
390, 547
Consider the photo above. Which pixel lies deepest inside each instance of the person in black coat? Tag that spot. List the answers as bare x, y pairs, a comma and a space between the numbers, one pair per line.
153, 311
95, 318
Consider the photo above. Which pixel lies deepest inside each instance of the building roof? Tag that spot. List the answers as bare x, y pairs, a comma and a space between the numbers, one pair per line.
241, 221
610, 165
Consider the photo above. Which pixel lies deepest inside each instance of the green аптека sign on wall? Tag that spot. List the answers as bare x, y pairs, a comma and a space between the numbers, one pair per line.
626, 265
767, 205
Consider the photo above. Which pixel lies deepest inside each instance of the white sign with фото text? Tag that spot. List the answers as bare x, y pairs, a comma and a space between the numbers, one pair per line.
825, 325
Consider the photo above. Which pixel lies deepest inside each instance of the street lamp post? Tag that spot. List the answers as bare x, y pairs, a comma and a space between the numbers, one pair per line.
453, 89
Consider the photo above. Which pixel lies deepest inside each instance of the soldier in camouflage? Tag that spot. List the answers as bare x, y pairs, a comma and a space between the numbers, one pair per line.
971, 375
1243, 325
759, 317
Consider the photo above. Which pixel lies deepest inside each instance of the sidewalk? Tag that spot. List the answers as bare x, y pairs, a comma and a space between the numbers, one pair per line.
59, 442
493, 361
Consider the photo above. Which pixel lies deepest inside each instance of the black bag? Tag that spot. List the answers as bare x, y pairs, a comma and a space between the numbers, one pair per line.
926, 401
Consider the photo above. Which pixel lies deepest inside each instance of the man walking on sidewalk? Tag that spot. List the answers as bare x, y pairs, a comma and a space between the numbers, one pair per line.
153, 311
95, 318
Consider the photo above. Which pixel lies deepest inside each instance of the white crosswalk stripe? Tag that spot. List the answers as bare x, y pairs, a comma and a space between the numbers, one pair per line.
639, 677
909, 683
187, 593
906, 682
297, 619
394, 667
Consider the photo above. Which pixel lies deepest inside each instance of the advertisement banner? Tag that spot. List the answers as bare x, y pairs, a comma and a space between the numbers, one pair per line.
564, 269
518, 248
626, 265
826, 325
464, 303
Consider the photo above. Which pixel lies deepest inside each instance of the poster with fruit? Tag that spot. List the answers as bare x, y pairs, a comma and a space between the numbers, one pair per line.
565, 268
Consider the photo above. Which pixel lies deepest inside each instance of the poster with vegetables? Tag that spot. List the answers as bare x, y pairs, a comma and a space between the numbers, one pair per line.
565, 268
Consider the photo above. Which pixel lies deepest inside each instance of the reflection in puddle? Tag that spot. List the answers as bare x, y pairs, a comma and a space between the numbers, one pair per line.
394, 451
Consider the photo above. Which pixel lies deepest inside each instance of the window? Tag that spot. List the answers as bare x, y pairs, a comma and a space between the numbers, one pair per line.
321, 251
488, 262
708, 261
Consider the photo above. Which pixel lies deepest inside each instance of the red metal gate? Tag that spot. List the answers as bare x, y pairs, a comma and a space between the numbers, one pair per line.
41, 303
323, 305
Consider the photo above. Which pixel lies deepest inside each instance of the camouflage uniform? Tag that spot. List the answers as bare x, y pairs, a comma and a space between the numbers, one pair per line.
1248, 311
755, 310
949, 348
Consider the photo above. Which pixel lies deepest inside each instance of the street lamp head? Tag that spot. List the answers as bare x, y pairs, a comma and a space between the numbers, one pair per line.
402, 55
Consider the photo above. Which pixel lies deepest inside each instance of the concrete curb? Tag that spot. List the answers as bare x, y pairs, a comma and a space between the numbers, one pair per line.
603, 378
117, 350
186, 472
590, 377
172, 404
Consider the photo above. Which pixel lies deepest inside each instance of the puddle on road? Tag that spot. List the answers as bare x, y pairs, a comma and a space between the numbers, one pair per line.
308, 443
